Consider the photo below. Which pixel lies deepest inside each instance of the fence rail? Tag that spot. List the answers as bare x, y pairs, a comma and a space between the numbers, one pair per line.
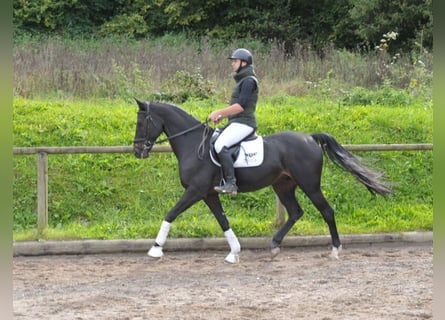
42, 167
129, 149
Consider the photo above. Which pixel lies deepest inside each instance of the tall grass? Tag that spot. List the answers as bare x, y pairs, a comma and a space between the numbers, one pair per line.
98, 68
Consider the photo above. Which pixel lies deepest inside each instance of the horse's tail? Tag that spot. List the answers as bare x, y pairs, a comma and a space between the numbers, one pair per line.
347, 161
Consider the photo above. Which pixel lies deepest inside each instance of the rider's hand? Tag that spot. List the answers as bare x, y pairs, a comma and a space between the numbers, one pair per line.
215, 116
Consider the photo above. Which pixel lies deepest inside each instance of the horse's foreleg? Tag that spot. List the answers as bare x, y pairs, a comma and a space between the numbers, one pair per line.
156, 250
188, 199
215, 206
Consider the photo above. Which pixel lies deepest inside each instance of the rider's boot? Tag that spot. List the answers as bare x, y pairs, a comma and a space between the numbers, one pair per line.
226, 161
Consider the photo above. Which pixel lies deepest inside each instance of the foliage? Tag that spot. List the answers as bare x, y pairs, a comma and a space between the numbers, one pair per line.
411, 20
129, 21
71, 17
185, 86
119, 196
386, 95
346, 23
125, 25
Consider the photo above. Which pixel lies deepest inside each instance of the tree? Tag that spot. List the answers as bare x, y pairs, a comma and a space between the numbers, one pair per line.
410, 19
344, 23
60, 16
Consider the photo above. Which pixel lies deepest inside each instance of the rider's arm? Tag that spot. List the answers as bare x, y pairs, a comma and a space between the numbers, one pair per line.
246, 90
217, 115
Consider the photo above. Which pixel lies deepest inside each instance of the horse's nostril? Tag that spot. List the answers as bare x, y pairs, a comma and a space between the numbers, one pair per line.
137, 152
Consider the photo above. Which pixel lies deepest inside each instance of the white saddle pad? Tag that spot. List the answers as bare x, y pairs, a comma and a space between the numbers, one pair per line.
251, 154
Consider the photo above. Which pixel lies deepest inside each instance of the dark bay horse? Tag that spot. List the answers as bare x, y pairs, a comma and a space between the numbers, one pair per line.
291, 160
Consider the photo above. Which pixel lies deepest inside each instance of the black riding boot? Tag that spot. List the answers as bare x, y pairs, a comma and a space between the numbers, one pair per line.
229, 173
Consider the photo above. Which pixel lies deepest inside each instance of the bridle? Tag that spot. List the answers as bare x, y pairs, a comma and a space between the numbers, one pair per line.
148, 143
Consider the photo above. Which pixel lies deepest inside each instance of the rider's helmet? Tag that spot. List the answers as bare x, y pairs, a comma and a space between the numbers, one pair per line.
242, 54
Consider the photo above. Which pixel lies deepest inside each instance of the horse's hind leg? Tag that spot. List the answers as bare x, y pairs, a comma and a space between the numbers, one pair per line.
286, 194
327, 212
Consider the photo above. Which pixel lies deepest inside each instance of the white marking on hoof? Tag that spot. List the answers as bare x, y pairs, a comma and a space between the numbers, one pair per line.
155, 252
335, 252
232, 258
275, 251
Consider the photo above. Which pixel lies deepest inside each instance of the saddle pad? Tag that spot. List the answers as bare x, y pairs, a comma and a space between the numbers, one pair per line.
251, 154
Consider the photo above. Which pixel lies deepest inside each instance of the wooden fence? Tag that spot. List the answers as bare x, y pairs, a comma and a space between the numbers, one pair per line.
42, 168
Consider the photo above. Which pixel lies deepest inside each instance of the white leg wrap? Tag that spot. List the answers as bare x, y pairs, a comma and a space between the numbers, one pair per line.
232, 258
156, 250
163, 233
235, 247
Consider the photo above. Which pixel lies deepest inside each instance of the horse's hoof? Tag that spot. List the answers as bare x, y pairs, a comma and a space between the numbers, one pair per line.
155, 252
335, 252
232, 258
275, 251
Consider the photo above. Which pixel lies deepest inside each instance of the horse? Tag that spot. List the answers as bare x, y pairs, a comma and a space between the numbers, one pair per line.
291, 160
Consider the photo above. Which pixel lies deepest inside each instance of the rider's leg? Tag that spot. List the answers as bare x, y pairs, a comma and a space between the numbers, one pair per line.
231, 135
225, 158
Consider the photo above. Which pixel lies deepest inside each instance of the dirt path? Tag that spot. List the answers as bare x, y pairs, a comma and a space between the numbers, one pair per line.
373, 283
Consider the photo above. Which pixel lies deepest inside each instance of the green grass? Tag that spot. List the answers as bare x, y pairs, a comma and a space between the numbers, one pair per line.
109, 196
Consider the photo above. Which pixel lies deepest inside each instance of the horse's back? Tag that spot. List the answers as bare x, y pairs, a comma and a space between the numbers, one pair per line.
292, 147
292, 139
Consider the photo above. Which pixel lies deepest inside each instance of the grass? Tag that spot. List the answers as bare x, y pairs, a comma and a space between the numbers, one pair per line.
110, 196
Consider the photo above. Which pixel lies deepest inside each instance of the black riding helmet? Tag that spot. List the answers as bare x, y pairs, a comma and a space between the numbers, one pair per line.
242, 54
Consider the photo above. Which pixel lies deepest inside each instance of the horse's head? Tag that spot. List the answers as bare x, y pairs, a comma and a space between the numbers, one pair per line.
147, 131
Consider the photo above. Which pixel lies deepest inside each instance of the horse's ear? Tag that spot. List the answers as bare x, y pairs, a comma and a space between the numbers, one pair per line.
140, 104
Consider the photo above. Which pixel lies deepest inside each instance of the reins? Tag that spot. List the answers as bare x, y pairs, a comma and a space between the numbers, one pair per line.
182, 132
205, 134
201, 147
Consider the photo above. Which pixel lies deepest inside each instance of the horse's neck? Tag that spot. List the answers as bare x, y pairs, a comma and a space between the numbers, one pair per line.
192, 142
174, 123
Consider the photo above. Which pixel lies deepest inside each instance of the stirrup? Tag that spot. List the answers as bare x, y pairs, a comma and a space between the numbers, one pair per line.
229, 188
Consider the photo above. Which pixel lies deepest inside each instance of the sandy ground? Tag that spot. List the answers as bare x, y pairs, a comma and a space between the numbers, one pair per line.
393, 283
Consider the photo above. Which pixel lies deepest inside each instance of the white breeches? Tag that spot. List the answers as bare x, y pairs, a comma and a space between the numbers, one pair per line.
232, 134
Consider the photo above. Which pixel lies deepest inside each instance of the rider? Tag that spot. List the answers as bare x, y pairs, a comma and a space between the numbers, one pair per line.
241, 115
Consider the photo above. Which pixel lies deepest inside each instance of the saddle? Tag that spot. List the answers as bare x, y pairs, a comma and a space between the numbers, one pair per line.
248, 153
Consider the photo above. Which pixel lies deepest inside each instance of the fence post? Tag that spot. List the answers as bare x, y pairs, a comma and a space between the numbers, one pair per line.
42, 191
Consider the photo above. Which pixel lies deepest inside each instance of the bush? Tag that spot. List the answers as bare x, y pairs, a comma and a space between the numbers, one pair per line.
186, 85
387, 96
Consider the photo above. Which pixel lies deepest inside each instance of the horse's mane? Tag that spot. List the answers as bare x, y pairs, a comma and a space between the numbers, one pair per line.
177, 110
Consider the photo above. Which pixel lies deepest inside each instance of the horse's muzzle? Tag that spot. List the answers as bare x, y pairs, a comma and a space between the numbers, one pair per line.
141, 151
